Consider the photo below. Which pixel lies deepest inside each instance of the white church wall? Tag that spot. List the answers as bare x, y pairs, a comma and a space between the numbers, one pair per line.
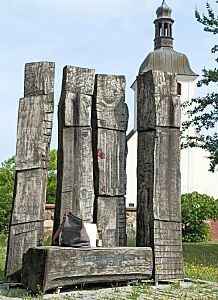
195, 175
131, 167
188, 156
194, 163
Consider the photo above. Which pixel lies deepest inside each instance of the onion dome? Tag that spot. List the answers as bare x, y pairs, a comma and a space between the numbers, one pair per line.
164, 11
164, 58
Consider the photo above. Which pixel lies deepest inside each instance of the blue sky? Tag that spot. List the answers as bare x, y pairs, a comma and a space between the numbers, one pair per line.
111, 36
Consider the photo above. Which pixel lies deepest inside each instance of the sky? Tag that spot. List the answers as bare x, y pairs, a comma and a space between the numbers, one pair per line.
111, 36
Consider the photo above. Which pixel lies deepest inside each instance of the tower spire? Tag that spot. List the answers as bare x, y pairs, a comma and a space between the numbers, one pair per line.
163, 27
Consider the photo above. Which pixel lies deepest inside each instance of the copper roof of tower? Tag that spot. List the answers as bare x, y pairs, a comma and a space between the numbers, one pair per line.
164, 58
167, 59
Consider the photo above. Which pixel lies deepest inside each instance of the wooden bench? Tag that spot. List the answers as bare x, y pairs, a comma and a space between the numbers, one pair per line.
47, 268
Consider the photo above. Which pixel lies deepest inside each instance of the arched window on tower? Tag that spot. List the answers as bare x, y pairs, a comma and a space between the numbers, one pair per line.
165, 29
160, 29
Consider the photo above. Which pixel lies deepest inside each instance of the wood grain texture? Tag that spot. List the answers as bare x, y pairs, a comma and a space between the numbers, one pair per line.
158, 172
39, 78
111, 220
75, 183
21, 237
32, 157
70, 266
157, 100
34, 132
30, 195
122, 235
78, 80
110, 150
77, 109
75, 187
109, 123
168, 250
109, 102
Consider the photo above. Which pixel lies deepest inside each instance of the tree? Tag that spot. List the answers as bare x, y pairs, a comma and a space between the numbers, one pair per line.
196, 210
52, 178
205, 113
7, 178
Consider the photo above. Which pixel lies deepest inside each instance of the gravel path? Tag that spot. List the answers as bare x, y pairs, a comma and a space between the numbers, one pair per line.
186, 290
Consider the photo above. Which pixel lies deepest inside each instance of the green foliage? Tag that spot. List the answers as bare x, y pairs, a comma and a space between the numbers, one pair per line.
210, 21
52, 178
3, 243
196, 210
205, 114
7, 179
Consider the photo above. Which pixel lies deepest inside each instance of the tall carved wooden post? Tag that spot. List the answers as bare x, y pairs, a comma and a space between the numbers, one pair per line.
109, 122
93, 119
32, 158
75, 186
158, 172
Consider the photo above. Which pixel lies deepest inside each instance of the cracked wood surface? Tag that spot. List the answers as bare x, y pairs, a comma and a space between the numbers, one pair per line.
158, 172
32, 158
52, 267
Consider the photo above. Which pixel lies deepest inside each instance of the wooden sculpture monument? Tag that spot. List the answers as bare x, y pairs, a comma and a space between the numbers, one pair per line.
91, 176
92, 118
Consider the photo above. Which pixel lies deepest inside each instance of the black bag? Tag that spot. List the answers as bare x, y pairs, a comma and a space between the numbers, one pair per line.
73, 232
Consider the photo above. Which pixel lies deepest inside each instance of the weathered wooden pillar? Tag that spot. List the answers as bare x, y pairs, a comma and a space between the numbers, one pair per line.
158, 172
32, 158
75, 187
109, 122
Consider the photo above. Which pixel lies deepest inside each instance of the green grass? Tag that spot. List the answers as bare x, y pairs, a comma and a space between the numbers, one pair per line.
201, 261
131, 242
201, 253
3, 248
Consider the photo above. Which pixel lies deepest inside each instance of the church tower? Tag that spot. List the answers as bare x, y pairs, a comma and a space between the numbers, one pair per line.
194, 162
163, 27
165, 58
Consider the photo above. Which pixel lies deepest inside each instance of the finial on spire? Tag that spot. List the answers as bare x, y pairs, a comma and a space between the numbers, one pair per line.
163, 27
164, 3
164, 10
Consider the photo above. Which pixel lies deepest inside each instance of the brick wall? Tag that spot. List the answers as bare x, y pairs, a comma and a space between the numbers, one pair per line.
214, 230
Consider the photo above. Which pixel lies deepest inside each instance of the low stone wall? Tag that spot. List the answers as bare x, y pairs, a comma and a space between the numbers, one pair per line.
48, 219
130, 223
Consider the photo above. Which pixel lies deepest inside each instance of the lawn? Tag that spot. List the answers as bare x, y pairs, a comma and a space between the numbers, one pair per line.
3, 243
200, 260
